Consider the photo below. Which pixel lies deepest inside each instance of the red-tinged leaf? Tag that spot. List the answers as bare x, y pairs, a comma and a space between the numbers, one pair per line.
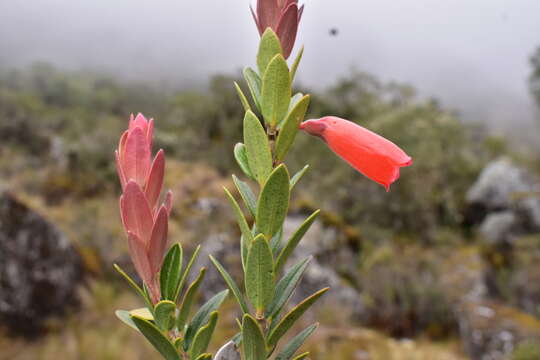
287, 29
122, 146
300, 13
119, 170
150, 133
139, 122
155, 179
256, 20
168, 202
137, 156
136, 213
158, 241
268, 13
139, 256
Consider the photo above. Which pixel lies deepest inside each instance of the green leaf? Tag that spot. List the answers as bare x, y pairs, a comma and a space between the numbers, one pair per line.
133, 284
125, 317
252, 339
241, 158
164, 313
156, 338
247, 195
296, 63
292, 316
203, 337
269, 47
254, 83
202, 316
259, 275
294, 240
186, 271
302, 356
243, 99
273, 202
189, 296
288, 351
247, 236
294, 100
298, 176
171, 272
276, 91
257, 148
285, 288
231, 284
275, 243
288, 131
144, 313
206, 356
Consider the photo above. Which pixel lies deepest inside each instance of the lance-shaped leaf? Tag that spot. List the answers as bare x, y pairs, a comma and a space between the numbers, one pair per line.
156, 338
188, 300
260, 275
134, 285
206, 356
247, 235
186, 271
294, 100
276, 91
288, 131
292, 316
288, 351
241, 158
231, 284
302, 356
243, 99
285, 288
247, 195
164, 313
273, 202
296, 177
269, 47
297, 60
275, 243
294, 240
203, 337
125, 317
202, 316
257, 148
254, 84
171, 272
252, 339
144, 313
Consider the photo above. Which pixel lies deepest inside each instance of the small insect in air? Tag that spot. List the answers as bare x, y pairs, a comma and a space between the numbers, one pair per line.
333, 31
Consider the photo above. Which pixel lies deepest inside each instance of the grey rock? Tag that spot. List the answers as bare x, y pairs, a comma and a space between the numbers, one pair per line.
498, 227
39, 268
228, 352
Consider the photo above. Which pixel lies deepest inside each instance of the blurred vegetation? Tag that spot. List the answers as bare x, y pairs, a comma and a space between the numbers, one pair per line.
59, 131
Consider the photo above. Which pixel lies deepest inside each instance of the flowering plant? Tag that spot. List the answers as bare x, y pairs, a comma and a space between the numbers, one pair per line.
272, 119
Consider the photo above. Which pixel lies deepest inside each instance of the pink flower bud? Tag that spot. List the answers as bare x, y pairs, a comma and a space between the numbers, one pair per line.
372, 155
282, 16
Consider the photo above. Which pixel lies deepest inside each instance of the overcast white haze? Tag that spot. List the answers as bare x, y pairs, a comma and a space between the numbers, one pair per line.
471, 54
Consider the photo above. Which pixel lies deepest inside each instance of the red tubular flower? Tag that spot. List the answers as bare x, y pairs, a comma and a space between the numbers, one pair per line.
145, 223
282, 16
372, 155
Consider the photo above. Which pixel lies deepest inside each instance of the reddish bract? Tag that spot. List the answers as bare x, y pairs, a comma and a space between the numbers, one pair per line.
282, 16
374, 156
145, 223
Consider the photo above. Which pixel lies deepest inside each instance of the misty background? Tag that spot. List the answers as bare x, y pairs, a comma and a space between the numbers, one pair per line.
471, 55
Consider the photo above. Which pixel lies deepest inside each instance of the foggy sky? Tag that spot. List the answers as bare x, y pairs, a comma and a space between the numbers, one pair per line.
471, 54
